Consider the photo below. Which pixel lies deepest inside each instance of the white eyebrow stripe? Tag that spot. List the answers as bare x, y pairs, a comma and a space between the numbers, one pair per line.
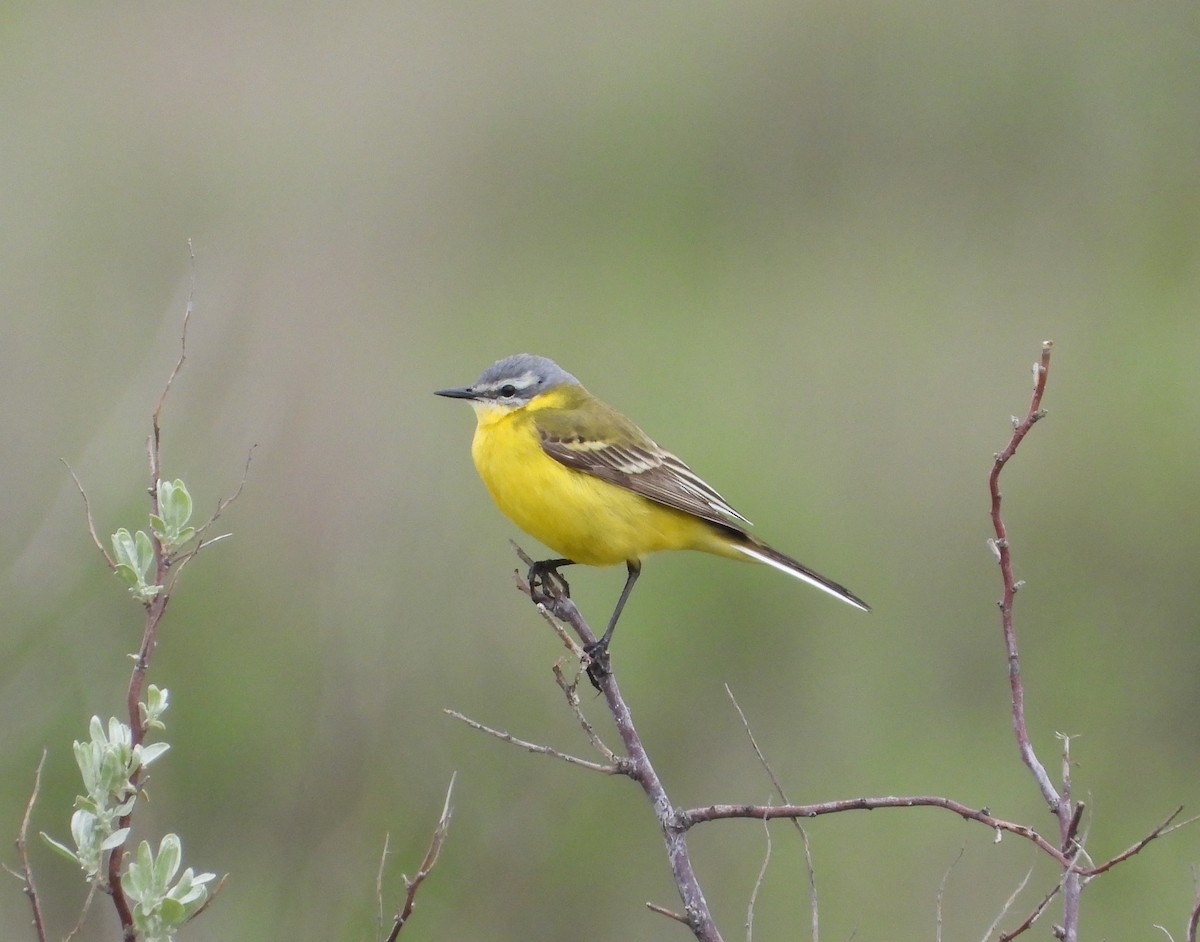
524, 381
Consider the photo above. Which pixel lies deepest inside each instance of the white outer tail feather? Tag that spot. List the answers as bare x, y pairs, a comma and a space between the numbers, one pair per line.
810, 577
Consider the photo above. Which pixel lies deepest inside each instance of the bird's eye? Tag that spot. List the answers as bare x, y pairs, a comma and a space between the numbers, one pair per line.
508, 390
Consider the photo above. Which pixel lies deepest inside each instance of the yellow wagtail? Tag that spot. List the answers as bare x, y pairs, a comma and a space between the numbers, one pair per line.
583, 479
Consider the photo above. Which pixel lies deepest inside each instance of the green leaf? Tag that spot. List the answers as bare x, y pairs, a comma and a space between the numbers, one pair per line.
149, 753
175, 503
62, 849
115, 839
124, 548
170, 854
145, 552
172, 912
174, 511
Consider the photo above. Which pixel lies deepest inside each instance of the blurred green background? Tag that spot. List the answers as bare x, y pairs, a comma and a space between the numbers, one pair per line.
813, 248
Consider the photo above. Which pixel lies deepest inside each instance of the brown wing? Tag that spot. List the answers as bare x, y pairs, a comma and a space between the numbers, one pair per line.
593, 438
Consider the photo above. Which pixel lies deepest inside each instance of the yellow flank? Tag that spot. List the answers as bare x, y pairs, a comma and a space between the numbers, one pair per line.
579, 516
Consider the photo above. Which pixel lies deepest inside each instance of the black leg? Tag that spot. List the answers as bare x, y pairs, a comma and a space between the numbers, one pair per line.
598, 651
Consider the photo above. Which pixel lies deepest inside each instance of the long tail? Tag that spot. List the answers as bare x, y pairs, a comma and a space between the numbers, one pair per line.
756, 549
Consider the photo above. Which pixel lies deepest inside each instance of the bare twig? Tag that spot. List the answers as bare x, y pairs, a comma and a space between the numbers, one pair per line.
693, 816
1060, 804
941, 894
534, 747
669, 913
754, 744
87, 904
427, 865
379, 883
808, 863
153, 446
1020, 430
1008, 904
223, 505
813, 908
177, 563
1163, 828
762, 875
87, 508
571, 692
26, 874
1029, 920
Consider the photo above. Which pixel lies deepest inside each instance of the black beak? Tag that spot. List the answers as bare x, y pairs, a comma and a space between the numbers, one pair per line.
460, 392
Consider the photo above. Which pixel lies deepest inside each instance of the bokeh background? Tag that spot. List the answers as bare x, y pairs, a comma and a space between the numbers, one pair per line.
812, 247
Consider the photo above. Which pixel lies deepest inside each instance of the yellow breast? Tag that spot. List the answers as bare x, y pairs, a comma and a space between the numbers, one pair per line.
577, 515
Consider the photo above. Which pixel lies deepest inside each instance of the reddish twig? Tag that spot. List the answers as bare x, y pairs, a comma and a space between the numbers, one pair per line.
26, 874
1033, 917
155, 609
166, 572
1020, 430
1136, 847
1060, 804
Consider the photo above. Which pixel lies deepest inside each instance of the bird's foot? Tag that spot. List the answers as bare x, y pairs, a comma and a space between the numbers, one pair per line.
599, 666
546, 583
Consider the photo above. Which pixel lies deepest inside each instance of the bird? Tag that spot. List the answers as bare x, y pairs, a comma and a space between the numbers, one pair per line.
583, 479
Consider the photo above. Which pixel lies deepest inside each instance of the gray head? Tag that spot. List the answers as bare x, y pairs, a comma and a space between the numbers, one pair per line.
513, 381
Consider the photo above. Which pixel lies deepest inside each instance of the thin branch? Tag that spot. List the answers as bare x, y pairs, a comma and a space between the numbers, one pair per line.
211, 898
813, 907
427, 865
1020, 430
535, 747
87, 507
379, 883
669, 913
153, 445
1008, 904
177, 563
223, 504
570, 690
762, 875
808, 863
1163, 828
87, 904
26, 874
757, 751
693, 816
1194, 921
941, 894
1037, 912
